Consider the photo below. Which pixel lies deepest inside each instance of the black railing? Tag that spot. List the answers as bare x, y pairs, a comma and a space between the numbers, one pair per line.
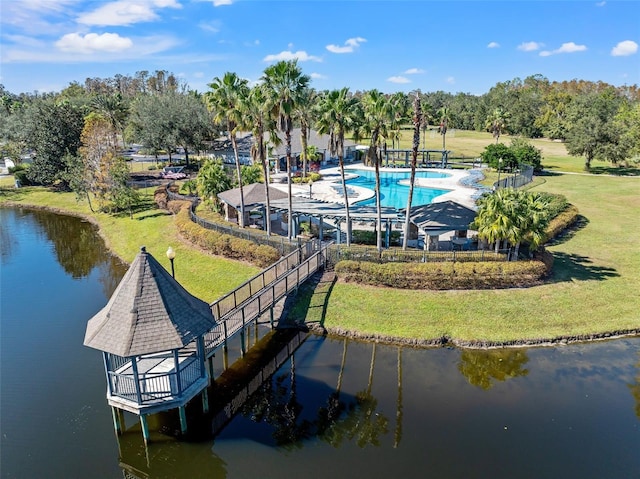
515, 179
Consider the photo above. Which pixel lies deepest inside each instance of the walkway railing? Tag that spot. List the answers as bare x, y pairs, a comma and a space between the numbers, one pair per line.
255, 297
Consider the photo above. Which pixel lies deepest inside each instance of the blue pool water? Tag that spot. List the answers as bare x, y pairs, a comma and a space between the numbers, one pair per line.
392, 193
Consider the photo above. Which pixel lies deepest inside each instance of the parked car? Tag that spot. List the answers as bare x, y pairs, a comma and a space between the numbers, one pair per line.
173, 172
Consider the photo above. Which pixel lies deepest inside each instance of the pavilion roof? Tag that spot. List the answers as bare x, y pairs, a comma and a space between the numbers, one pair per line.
442, 216
253, 195
148, 312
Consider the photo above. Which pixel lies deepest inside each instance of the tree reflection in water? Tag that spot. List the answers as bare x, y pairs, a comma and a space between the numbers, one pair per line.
343, 418
635, 389
480, 367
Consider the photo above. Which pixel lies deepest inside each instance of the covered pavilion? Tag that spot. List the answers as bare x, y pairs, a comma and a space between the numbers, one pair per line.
439, 218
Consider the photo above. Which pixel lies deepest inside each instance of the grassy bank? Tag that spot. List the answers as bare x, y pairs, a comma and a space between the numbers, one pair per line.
594, 288
206, 276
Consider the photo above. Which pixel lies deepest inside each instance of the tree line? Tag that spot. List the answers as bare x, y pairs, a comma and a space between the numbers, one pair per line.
77, 134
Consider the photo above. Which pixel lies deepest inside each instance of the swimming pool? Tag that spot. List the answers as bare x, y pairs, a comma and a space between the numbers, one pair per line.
392, 193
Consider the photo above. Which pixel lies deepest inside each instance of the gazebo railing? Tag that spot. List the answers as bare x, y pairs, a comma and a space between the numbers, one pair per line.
154, 381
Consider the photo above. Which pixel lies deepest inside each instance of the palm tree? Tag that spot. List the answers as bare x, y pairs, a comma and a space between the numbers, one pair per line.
115, 109
338, 113
305, 111
445, 117
378, 114
496, 123
256, 112
427, 115
417, 121
531, 219
494, 219
285, 81
225, 99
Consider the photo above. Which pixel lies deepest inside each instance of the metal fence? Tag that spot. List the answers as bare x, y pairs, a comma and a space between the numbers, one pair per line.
337, 252
282, 244
520, 178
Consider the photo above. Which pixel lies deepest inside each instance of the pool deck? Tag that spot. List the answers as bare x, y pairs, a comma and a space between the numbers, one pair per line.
325, 190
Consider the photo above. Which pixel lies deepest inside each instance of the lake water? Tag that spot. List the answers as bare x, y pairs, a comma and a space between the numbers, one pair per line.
335, 409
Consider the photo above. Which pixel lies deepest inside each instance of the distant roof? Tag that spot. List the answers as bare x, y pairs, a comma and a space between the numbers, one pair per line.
321, 142
253, 195
148, 312
442, 216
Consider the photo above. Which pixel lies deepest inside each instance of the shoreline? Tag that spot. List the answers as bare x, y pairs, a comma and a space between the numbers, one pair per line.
443, 341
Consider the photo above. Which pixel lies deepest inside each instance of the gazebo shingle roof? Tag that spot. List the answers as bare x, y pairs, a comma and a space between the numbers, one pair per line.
148, 312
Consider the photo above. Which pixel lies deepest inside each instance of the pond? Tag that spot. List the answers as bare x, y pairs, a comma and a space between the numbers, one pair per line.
335, 408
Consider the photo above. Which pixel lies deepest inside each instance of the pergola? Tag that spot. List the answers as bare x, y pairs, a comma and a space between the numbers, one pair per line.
336, 213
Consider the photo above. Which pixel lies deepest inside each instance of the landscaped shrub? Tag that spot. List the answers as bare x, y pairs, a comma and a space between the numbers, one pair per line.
369, 237
444, 275
223, 244
561, 222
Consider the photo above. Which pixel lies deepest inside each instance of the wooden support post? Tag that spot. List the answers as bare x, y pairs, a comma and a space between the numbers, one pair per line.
205, 401
242, 343
225, 356
183, 420
271, 318
145, 427
117, 423
210, 361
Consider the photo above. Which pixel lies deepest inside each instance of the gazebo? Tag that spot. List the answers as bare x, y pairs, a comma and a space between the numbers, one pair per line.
254, 196
151, 334
435, 219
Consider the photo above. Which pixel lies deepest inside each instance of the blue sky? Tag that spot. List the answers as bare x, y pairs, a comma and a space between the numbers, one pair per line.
453, 46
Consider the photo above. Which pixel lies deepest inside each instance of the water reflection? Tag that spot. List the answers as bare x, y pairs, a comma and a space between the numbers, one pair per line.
481, 367
635, 388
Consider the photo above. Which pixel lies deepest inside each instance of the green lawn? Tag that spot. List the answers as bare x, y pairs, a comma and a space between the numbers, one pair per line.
594, 288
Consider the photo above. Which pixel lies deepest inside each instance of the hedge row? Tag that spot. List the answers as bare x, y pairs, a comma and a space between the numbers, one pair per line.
447, 275
562, 221
212, 241
223, 244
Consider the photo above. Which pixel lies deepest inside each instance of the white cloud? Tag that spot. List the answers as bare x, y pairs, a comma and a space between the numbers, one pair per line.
530, 46
493, 45
625, 48
217, 3
413, 71
141, 47
601, 4
126, 12
451, 80
212, 26
287, 55
568, 47
398, 79
92, 42
349, 46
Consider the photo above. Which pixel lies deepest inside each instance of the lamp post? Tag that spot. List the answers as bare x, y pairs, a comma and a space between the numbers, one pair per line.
171, 254
310, 187
499, 169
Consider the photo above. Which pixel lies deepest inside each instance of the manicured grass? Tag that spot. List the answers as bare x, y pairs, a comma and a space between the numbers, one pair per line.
594, 288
